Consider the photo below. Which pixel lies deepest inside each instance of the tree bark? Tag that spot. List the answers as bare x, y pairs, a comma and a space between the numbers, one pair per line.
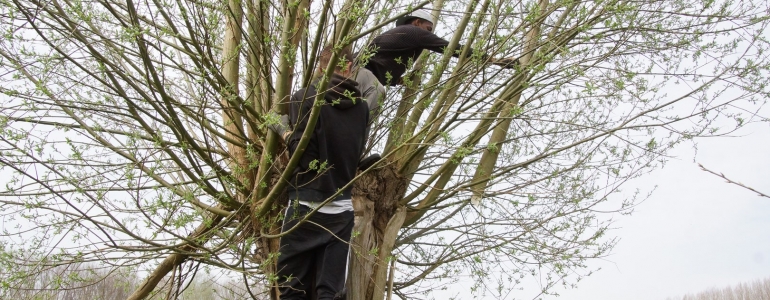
231, 117
378, 219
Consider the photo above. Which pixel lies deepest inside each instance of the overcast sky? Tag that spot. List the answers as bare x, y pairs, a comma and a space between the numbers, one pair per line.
696, 232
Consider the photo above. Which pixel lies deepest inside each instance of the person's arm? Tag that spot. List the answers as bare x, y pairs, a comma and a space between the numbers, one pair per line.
282, 128
371, 89
372, 92
427, 40
300, 105
286, 123
508, 63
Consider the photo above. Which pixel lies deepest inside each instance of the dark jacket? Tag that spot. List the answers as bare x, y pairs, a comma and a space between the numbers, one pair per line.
397, 48
337, 143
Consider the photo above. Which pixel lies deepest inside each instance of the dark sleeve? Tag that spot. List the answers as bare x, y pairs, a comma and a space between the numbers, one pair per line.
427, 40
300, 105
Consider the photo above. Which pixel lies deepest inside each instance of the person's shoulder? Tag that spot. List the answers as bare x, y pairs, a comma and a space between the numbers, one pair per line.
364, 77
407, 28
303, 93
298, 93
301, 90
403, 29
307, 89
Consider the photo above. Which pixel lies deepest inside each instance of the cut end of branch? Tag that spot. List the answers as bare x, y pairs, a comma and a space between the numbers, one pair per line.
476, 199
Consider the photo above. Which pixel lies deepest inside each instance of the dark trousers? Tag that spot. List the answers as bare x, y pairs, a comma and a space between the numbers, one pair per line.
314, 256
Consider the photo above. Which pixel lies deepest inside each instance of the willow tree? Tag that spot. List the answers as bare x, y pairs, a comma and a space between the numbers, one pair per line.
134, 135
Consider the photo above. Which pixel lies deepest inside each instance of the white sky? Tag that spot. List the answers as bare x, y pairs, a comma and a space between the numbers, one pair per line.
696, 231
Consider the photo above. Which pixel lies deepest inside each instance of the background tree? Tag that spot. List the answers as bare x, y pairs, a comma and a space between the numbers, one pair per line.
757, 289
133, 134
98, 283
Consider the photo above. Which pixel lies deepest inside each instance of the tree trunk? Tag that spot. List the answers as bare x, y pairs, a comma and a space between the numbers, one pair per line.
378, 219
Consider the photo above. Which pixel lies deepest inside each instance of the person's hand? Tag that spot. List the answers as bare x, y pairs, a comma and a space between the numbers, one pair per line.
508, 63
281, 127
368, 161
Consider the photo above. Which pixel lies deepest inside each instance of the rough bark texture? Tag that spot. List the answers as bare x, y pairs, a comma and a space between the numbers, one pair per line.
378, 219
267, 248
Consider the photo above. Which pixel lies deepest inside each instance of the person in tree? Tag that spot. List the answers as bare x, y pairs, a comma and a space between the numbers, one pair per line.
394, 49
313, 257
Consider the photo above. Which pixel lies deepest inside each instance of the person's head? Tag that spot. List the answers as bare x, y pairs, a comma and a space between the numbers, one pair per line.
420, 18
424, 24
344, 63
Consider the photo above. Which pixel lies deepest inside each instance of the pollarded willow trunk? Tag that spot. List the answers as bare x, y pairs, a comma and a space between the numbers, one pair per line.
378, 218
266, 249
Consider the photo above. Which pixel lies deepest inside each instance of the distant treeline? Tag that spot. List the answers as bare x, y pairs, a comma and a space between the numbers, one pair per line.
756, 290
88, 281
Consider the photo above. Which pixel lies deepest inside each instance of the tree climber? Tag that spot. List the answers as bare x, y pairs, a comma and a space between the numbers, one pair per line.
395, 48
314, 255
